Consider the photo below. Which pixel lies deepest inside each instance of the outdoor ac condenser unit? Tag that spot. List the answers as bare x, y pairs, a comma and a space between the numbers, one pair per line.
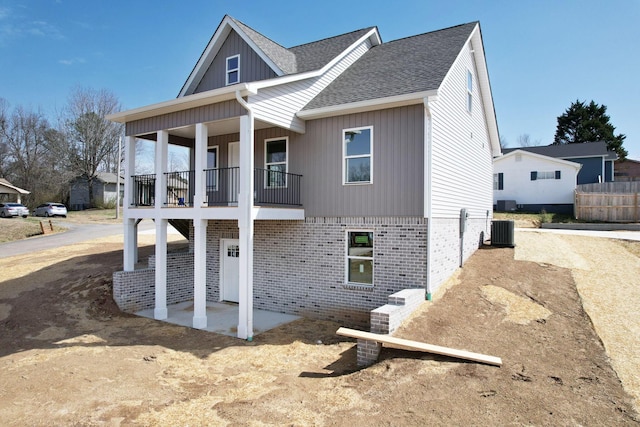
502, 233
506, 206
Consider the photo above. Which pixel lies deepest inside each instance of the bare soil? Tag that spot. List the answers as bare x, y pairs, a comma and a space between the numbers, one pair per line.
68, 356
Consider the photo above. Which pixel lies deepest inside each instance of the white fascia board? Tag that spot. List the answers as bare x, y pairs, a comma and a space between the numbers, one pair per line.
13, 187
369, 105
208, 54
549, 159
182, 103
373, 34
256, 49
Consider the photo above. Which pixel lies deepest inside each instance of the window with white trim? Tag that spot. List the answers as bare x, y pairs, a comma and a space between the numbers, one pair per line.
275, 162
233, 69
357, 148
469, 91
359, 257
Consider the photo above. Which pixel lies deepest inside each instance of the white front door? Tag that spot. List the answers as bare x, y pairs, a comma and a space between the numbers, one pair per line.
230, 271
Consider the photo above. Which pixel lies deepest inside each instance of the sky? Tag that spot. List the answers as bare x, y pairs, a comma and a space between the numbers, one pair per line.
541, 55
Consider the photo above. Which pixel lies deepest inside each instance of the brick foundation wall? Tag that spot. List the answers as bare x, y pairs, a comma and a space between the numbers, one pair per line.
446, 245
135, 290
299, 266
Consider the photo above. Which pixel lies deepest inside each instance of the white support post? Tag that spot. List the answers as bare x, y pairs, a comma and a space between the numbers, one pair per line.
130, 244
130, 251
202, 135
162, 154
245, 225
160, 312
200, 274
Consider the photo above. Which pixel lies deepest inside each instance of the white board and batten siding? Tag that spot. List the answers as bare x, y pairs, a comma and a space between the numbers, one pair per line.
278, 105
461, 165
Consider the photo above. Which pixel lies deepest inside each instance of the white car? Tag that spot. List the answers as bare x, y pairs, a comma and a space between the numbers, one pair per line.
7, 210
51, 209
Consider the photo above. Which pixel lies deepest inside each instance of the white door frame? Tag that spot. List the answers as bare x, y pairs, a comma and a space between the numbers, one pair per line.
223, 255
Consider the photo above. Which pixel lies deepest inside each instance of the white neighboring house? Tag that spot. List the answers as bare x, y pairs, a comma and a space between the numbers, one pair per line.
535, 182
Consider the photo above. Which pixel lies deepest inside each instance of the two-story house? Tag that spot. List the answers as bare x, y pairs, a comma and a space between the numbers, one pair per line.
324, 177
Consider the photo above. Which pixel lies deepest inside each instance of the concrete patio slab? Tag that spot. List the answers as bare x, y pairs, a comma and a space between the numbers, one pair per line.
222, 317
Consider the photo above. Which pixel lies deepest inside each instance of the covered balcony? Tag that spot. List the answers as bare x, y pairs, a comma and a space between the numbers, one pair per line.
222, 185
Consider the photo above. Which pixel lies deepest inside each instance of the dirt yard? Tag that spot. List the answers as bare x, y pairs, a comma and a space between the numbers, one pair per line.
69, 357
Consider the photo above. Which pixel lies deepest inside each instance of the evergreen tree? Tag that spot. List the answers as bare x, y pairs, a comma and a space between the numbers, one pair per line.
583, 122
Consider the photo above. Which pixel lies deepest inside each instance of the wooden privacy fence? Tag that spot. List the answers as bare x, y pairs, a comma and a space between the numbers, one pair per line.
619, 206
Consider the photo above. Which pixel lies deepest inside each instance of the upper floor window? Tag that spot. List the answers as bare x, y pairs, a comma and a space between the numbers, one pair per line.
212, 166
357, 154
233, 69
275, 162
469, 91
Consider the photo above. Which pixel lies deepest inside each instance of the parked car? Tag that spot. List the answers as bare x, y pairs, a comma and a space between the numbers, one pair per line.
13, 209
51, 209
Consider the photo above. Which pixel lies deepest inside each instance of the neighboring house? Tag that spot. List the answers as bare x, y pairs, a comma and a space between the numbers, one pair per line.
9, 191
104, 191
534, 182
326, 176
597, 162
627, 170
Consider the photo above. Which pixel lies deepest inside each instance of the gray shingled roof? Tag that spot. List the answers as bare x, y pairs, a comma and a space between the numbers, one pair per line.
315, 55
563, 151
282, 57
399, 67
302, 58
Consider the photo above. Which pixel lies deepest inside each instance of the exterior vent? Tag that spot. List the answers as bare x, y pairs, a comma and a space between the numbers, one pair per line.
506, 206
502, 233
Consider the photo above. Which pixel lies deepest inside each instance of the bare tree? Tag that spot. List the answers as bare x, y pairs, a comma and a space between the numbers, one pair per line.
503, 142
91, 141
524, 140
25, 157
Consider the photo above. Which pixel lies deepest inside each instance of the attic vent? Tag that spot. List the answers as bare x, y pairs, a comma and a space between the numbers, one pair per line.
518, 157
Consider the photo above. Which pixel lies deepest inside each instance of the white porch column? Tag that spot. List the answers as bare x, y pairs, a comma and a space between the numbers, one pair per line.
162, 154
160, 311
130, 244
245, 225
200, 155
130, 250
200, 273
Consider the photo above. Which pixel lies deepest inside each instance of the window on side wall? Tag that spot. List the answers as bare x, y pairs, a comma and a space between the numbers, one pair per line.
233, 69
275, 162
357, 148
498, 181
469, 91
359, 258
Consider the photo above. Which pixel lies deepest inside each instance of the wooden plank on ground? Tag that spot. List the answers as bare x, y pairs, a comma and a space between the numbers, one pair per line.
403, 344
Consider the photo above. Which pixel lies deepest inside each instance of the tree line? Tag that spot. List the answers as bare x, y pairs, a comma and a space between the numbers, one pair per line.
581, 123
44, 158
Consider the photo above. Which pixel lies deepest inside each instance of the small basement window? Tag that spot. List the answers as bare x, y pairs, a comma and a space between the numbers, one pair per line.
359, 258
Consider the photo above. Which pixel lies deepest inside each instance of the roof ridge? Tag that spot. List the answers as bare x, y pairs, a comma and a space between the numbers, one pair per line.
433, 32
333, 37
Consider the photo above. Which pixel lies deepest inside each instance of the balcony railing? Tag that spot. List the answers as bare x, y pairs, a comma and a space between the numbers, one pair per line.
222, 185
144, 187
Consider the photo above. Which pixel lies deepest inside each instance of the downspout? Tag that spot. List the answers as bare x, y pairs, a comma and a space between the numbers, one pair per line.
428, 155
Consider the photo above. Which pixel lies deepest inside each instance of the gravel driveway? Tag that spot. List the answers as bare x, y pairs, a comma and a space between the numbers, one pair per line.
607, 279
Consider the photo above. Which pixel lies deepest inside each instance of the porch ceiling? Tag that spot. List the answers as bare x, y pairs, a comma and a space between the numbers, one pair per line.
221, 127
